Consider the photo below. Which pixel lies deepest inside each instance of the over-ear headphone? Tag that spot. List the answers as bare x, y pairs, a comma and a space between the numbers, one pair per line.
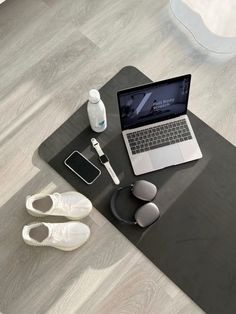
147, 213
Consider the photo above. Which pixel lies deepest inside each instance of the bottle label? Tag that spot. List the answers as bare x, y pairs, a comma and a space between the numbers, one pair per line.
101, 123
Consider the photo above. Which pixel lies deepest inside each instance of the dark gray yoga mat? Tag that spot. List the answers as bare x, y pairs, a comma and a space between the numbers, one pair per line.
194, 241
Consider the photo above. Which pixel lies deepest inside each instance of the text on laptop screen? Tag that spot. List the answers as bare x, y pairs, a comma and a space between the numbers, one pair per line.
154, 102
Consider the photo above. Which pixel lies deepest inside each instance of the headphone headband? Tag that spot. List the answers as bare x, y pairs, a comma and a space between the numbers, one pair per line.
113, 205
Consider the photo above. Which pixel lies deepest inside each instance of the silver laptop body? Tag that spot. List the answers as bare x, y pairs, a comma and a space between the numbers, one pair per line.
155, 126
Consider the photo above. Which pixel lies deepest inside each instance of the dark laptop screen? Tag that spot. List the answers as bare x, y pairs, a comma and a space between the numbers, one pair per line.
153, 102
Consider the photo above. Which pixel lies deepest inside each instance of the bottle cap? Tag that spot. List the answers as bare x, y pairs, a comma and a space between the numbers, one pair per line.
94, 96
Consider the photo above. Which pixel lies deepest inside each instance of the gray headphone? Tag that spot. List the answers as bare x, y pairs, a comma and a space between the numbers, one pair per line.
147, 213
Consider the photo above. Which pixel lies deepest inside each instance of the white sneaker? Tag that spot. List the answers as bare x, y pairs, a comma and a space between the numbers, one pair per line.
72, 205
65, 236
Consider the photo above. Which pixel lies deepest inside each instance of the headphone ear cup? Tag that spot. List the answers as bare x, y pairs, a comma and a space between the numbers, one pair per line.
144, 190
147, 214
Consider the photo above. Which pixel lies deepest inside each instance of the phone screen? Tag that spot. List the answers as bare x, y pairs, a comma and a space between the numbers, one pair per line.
82, 167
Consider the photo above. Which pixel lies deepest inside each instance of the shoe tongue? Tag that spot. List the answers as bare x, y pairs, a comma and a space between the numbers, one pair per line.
49, 227
59, 205
55, 202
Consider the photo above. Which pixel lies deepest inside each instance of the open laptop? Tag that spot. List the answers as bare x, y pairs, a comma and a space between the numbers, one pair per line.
155, 125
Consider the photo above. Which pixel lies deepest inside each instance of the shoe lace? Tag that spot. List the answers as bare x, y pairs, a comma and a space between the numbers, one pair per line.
61, 203
60, 234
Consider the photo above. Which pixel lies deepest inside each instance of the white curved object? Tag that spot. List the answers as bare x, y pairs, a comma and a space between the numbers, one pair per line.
211, 22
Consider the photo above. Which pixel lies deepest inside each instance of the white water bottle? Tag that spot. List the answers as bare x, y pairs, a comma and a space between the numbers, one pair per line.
96, 111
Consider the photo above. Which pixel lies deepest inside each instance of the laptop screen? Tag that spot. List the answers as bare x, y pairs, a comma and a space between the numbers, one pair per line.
153, 102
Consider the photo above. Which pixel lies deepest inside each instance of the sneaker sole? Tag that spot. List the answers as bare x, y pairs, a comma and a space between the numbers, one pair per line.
68, 217
58, 247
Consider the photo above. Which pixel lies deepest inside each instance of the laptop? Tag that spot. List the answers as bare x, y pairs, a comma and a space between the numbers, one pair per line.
155, 126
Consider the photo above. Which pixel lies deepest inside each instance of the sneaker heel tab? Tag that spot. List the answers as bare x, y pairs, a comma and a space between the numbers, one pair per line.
25, 232
27, 201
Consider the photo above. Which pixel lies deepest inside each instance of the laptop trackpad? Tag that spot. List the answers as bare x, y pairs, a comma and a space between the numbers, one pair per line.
166, 156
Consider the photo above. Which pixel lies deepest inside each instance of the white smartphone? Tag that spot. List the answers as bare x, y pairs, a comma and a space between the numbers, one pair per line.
82, 167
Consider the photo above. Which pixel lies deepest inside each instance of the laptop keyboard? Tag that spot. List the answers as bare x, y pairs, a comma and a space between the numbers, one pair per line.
159, 136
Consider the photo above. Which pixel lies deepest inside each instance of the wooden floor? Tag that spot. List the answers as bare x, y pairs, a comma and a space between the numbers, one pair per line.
51, 53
